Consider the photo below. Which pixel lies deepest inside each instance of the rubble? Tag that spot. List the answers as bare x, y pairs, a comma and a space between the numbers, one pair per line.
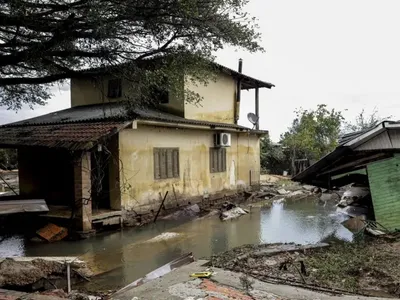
232, 213
22, 272
282, 192
189, 212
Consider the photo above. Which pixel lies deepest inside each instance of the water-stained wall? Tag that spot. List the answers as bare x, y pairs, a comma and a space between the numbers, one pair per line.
218, 100
217, 104
86, 91
140, 191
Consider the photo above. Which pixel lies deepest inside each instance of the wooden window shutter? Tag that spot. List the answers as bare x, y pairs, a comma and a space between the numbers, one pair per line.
215, 160
156, 161
170, 168
212, 152
220, 160
176, 162
223, 160
163, 163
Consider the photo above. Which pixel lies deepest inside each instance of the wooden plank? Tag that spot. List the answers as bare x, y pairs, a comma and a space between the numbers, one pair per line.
21, 206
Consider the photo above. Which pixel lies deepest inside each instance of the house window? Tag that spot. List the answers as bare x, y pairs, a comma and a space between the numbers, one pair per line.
114, 88
217, 160
160, 94
166, 163
164, 97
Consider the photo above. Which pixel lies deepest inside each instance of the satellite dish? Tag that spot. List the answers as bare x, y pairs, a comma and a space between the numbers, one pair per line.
252, 118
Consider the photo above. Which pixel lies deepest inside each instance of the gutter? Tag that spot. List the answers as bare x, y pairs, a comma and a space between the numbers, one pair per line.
202, 127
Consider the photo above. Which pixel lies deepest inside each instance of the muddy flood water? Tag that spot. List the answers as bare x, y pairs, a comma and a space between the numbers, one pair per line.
129, 254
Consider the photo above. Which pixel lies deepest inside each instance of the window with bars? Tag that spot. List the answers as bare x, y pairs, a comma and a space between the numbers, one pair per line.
217, 160
166, 163
114, 88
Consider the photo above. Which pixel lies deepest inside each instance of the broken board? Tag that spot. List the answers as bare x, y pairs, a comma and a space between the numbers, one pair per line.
52, 232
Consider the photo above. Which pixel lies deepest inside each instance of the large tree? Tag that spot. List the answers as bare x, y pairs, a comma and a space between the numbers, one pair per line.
45, 41
313, 133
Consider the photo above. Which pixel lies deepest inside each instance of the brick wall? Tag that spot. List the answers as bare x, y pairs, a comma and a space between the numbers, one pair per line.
384, 180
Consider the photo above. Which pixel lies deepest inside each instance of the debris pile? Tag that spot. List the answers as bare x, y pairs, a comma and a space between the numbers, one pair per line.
40, 273
368, 268
231, 211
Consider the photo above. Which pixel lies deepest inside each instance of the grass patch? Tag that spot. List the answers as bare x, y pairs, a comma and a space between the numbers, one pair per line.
339, 266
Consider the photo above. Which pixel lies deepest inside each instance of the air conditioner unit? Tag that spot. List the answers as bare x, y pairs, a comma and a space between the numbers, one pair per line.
222, 139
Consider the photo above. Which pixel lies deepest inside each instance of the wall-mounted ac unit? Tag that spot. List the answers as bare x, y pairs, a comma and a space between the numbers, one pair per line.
222, 139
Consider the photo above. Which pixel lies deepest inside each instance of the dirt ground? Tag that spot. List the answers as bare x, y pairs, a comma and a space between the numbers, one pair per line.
369, 267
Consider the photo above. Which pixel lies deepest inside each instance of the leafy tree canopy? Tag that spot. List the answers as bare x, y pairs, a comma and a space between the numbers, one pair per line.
313, 134
45, 41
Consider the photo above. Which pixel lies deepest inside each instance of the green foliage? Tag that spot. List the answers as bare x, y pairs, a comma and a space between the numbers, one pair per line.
43, 42
273, 158
313, 134
8, 159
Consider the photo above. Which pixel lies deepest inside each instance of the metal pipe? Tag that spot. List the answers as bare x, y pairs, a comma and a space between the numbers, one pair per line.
258, 108
238, 92
69, 278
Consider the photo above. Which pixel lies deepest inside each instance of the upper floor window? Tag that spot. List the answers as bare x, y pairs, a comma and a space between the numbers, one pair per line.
164, 96
217, 160
114, 88
166, 163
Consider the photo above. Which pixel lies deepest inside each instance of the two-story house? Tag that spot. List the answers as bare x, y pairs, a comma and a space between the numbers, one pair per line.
97, 164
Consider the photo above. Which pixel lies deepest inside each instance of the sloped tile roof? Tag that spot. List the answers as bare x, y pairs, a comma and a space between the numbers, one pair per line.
78, 136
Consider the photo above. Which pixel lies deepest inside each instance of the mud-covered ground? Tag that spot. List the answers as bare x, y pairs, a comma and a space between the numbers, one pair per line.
370, 267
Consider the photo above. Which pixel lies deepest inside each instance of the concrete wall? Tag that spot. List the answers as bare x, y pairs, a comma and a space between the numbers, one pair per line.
218, 100
46, 173
140, 191
384, 178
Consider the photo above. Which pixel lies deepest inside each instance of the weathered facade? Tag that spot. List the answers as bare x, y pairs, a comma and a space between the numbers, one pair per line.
104, 163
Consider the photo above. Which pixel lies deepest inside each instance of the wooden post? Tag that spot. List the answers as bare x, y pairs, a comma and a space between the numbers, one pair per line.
257, 108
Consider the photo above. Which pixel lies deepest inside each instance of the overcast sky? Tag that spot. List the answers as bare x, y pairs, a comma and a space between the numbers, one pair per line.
345, 54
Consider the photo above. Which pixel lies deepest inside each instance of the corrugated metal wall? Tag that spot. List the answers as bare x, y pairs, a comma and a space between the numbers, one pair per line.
384, 180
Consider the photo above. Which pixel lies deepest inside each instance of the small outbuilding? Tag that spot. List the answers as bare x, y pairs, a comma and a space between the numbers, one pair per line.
370, 157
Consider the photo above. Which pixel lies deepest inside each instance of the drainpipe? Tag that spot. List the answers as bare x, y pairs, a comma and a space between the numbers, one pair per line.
257, 108
238, 92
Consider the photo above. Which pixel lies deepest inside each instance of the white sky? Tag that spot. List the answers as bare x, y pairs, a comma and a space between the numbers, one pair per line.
345, 54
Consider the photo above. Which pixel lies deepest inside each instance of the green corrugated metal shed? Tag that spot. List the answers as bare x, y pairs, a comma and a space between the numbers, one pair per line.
384, 180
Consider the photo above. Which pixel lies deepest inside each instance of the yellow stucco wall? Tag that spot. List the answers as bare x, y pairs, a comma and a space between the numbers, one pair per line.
140, 191
218, 100
88, 91
217, 104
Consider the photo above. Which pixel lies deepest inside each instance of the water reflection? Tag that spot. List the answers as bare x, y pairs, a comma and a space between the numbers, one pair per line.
126, 256
304, 222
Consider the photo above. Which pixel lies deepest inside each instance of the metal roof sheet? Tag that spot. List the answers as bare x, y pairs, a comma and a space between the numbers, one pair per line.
117, 111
